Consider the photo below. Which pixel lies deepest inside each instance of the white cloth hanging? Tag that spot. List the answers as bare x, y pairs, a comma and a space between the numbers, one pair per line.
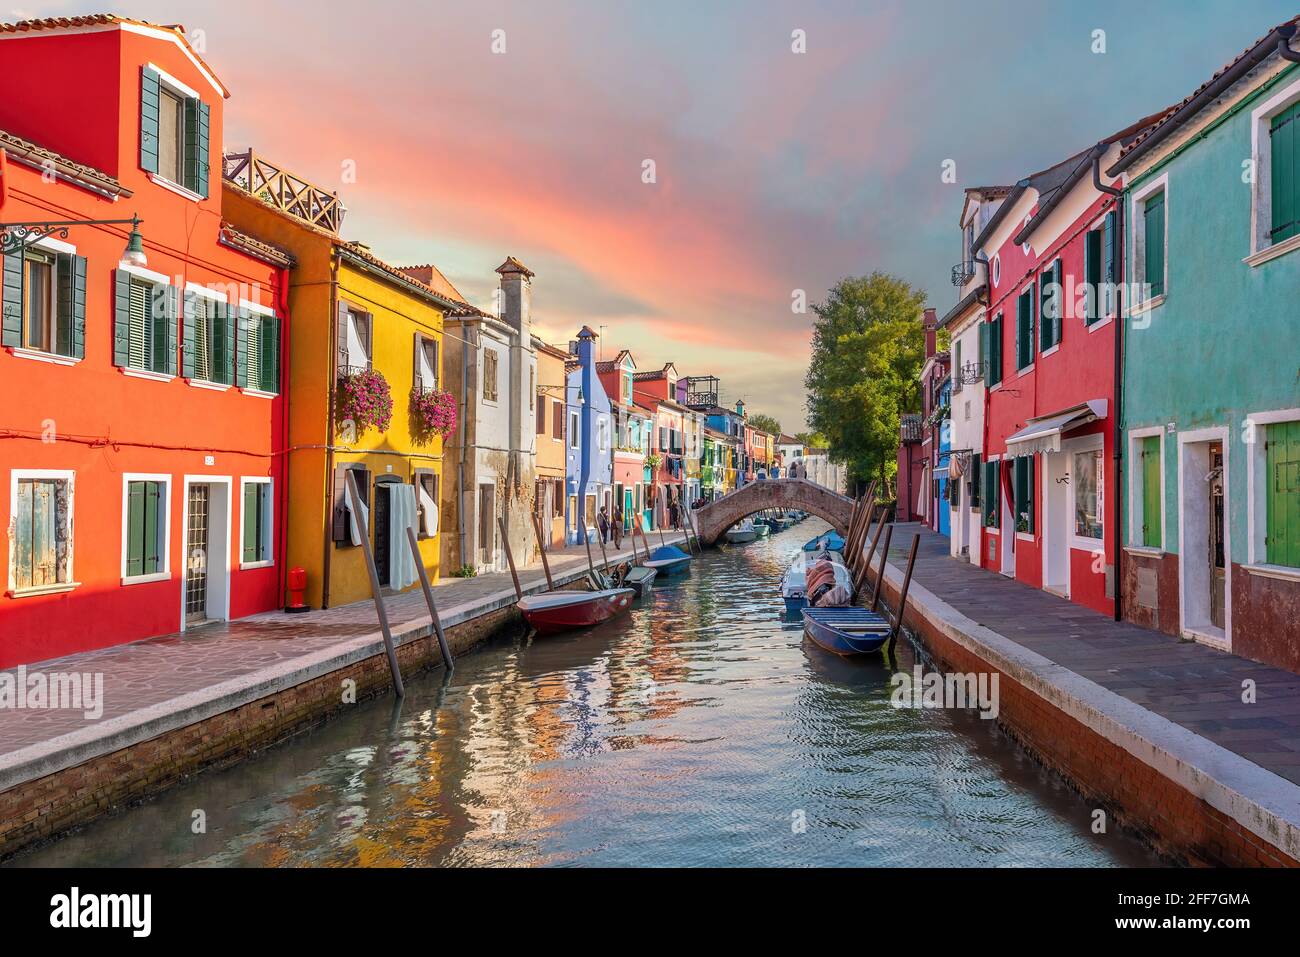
428, 512
358, 516
401, 516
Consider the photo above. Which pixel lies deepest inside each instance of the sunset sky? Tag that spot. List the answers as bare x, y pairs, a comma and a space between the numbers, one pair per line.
776, 171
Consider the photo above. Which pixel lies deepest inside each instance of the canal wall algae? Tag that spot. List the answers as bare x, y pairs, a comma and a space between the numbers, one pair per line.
1191, 799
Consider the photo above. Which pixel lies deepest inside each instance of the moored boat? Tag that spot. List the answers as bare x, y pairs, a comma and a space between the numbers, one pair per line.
639, 578
669, 560
794, 583
831, 541
846, 631
558, 611
742, 533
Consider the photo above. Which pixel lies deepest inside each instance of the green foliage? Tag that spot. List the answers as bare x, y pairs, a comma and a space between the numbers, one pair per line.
764, 423
867, 352
465, 571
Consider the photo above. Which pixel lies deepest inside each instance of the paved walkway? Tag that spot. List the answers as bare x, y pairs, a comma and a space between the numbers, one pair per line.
153, 685
1187, 683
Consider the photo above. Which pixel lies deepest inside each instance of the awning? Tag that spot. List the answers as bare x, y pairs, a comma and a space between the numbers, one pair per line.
1044, 433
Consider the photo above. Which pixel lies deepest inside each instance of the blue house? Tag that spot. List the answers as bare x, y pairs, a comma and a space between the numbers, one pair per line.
589, 455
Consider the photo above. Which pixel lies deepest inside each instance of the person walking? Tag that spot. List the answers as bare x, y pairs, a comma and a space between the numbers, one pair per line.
602, 524
617, 527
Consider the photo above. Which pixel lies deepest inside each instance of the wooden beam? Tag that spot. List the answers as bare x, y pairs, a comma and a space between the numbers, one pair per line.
902, 598
546, 564
884, 561
428, 600
376, 591
510, 556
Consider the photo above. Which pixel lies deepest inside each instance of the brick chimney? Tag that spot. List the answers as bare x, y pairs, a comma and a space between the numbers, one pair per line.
930, 323
516, 294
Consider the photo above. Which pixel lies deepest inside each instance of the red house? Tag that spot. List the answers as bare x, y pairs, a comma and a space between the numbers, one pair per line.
655, 390
141, 474
1049, 354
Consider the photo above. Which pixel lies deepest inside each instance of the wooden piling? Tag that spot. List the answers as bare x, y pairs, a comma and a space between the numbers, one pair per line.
902, 597
884, 560
510, 556
436, 630
546, 564
376, 591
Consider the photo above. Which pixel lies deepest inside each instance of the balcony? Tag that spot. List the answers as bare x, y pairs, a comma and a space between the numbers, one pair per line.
963, 273
283, 190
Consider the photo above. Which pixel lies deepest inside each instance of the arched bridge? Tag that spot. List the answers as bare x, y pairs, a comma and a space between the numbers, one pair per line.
716, 517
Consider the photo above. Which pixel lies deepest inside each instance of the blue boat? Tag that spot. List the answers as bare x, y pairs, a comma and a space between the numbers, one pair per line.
832, 541
846, 631
669, 560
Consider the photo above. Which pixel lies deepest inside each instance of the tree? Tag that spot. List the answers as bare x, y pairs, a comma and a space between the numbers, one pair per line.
765, 423
867, 351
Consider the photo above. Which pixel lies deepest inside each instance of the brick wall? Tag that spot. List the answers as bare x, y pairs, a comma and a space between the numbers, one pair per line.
1134, 795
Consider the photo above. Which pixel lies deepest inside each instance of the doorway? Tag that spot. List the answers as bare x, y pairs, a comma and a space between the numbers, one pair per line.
487, 533
383, 532
1057, 513
205, 584
1205, 587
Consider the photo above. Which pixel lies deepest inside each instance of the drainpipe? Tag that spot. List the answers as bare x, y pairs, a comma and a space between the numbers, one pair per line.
464, 411
332, 394
1117, 425
1283, 44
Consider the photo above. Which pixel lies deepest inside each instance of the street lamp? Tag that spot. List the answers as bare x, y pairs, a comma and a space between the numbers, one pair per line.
16, 237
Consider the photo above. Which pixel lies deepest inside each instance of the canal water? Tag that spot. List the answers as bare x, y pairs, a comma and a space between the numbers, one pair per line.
701, 730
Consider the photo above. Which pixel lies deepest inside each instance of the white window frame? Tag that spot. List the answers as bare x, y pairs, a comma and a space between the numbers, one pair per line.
166, 507
1137, 245
352, 313
1261, 193
66, 475
1257, 494
1136, 505
268, 531
1086, 444
575, 428
483, 364
185, 92
1212, 433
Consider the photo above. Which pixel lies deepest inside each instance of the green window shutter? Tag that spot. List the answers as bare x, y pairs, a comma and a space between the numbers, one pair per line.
974, 479
252, 547
13, 301
1284, 172
165, 314
1153, 214
1024, 328
984, 353
78, 344
121, 318
1044, 309
227, 315
149, 108
1282, 545
196, 171
189, 312
995, 350
152, 540
1092, 273
241, 348
269, 340
62, 344
1152, 518
135, 529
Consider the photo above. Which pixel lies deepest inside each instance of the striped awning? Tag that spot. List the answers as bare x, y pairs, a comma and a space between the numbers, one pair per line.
1043, 434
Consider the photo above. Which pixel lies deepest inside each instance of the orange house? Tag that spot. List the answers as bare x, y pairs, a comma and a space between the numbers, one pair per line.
141, 480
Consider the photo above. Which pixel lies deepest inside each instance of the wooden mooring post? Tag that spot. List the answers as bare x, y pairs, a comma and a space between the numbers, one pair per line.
436, 630
860, 577
354, 502
510, 556
902, 597
884, 561
541, 545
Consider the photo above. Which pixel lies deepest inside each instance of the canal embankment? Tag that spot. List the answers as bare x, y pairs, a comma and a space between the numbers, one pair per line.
1192, 748
177, 705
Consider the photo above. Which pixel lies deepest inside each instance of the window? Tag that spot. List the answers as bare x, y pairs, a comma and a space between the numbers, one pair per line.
1024, 489
1025, 328
258, 361
973, 480
1087, 483
1148, 497
573, 429
208, 346
354, 339
573, 510
342, 532
1092, 245
956, 366
426, 503
1282, 508
991, 350
426, 363
489, 375
602, 434
558, 497
257, 537
992, 495
532, 385
41, 536
145, 528
45, 302
559, 421
173, 132
540, 417
1284, 175
1153, 228
144, 328
1050, 298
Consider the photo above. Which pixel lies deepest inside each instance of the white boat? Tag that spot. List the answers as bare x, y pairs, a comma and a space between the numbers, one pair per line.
795, 577
742, 533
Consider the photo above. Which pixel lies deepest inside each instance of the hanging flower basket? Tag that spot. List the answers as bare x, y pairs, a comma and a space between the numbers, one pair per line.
653, 461
364, 397
432, 413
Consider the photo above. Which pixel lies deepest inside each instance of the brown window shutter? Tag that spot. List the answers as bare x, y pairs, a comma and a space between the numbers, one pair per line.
416, 381
541, 415
339, 532
369, 328
559, 419
341, 338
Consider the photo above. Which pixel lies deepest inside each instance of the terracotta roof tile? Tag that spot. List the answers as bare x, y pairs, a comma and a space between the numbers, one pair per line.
30, 153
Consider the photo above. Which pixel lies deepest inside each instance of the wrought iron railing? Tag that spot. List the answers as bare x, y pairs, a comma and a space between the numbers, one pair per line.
284, 190
963, 273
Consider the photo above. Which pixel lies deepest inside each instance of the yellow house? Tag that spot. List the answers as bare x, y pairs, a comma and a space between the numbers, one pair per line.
350, 313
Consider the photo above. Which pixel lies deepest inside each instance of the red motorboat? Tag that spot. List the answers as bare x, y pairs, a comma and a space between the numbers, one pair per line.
557, 611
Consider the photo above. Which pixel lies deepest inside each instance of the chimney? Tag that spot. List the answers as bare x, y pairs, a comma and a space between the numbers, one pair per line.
516, 294
930, 323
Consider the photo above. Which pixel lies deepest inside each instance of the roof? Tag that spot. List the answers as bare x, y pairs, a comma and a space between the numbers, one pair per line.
784, 439
992, 192
1045, 182
237, 239
611, 365
51, 24
363, 256
433, 277
909, 427
38, 157
1049, 200
555, 352
963, 304
1206, 93
513, 265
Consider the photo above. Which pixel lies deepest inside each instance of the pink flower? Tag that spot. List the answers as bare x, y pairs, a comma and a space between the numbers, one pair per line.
433, 413
364, 397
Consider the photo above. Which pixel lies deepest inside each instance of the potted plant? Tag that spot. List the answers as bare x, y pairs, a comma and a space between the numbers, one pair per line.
364, 397
432, 413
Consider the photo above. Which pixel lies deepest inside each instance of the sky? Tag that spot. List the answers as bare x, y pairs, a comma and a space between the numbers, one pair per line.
774, 170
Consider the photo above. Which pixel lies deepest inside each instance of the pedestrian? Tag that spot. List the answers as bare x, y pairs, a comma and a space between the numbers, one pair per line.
602, 524
618, 526
674, 515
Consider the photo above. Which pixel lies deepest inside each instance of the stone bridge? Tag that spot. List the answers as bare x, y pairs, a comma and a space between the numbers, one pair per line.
716, 517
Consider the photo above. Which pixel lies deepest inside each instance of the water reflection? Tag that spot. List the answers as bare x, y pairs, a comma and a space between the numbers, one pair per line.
700, 730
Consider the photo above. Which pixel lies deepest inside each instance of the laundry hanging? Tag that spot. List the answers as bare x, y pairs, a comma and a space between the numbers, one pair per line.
401, 516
